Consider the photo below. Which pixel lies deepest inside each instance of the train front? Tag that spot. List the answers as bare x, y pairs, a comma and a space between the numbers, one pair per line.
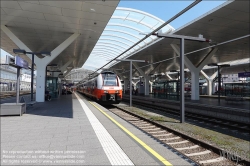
110, 87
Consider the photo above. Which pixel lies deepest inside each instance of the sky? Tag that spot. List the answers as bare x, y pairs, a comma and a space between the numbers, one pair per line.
165, 9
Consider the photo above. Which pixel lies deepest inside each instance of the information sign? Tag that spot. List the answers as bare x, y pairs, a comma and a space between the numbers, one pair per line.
21, 62
244, 74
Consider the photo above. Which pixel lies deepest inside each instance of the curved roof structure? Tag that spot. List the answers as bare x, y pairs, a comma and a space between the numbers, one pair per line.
218, 25
123, 30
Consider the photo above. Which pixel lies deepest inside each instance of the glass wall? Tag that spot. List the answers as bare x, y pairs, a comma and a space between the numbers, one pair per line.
52, 86
241, 89
167, 89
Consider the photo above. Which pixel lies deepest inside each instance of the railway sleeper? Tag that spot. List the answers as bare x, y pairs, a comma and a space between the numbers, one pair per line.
175, 143
168, 139
153, 132
132, 119
146, 124
198, 153
205, 156
147, 127
154, 129
187, 148
140, 123
162, 135
219, 159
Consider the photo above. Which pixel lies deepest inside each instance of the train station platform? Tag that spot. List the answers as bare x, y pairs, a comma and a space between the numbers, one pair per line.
73, 131
213, 101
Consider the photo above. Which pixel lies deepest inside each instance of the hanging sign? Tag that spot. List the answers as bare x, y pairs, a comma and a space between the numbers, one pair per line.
244, 74
21, 62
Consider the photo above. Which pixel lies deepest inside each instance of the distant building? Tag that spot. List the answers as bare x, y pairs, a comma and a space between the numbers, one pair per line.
231, 78
76, 75
9, 77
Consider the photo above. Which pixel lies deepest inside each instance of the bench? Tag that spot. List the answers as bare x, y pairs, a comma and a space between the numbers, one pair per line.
13, 109
234, 98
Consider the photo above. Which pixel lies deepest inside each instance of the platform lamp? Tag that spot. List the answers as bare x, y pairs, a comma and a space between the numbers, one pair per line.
44, 53
219, 76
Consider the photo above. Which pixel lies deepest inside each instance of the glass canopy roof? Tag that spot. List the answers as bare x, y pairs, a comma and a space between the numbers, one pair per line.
122, 31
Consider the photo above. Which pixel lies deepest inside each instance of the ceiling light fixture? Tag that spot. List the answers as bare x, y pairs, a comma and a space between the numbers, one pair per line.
93, 10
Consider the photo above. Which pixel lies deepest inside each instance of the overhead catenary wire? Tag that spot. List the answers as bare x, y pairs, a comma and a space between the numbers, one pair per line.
153, 32
218, 44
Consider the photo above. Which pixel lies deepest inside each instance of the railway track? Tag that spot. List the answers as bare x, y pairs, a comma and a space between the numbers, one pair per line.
196, 150
241, 128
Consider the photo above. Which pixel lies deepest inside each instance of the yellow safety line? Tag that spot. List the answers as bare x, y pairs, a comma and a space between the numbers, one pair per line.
154, 153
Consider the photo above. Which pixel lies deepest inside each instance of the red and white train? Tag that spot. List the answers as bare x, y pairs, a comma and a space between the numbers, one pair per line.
106, 88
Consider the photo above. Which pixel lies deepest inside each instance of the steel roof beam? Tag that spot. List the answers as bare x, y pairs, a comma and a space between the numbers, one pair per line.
100, 43
114, 30
112, 24
156, 68
64, 67
109, 46
138, 69
114, 40
120, 37
103, 49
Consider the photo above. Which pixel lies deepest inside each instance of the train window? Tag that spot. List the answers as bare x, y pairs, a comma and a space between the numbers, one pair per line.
109, 80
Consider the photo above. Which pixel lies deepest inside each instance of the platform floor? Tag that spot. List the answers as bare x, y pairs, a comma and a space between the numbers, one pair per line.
71, 131
213, 100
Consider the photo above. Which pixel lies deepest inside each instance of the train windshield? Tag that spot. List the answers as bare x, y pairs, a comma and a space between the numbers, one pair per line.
109, 79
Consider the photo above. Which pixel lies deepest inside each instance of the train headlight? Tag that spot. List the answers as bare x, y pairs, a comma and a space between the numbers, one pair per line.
105, 91
116, 91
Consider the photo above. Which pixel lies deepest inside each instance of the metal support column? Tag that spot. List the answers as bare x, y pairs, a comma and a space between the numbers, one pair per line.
130, 85
178, 86
18, 85
219, 84
130, 79
32, 77
182, 101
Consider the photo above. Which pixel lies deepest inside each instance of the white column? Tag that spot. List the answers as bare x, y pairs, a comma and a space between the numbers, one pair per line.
146, 78
40, 63
65, 74
210, 84
146, 85
134, 83
64, 67
125, 85
40, 82
195, 93
151, 86
60, 48
16, 40
195, 71
169, 76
